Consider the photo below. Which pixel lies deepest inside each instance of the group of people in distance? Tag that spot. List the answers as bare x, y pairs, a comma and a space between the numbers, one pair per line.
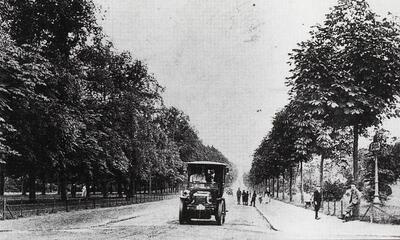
315, 200
244, 196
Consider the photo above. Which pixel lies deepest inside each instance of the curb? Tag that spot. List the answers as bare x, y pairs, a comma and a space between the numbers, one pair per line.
266, 219
309, 209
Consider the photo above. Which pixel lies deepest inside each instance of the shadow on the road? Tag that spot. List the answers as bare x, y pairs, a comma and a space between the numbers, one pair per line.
203, 222
196, 222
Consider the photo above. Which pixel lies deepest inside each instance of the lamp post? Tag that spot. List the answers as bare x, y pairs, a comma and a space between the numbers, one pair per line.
2, 170
375, 147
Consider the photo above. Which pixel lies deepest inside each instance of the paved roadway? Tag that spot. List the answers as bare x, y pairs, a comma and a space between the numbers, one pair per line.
159, 220
156, 220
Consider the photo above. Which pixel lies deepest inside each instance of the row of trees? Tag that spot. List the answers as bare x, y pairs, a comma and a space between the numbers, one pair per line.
74, 110
344, 79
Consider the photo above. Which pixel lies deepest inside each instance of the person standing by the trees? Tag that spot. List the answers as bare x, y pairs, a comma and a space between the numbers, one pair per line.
243, 197
354, 202
253, 199
84, 191
317, 201
238, 195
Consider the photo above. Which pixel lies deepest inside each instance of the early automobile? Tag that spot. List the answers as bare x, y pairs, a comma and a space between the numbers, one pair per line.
203, 196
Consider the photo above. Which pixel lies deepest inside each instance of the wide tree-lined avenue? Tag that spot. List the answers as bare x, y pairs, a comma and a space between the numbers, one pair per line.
110, 114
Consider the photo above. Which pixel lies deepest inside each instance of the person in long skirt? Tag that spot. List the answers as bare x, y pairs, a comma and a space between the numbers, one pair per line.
267, 198
238, 195
253, 199
84, 191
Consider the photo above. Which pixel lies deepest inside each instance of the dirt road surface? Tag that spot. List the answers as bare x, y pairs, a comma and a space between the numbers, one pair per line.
155, 220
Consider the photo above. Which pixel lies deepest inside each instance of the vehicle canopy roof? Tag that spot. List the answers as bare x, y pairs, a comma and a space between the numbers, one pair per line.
207, 163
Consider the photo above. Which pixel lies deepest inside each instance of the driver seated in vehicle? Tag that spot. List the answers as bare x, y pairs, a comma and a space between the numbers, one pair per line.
198, 178
210, 176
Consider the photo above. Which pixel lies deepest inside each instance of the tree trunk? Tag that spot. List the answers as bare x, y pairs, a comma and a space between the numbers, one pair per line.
270, 185
321, 178
150, 185
119, 188
94, 186
277, 187
43, 185
23, 186
63, 185
356, 133
290, 184
273, 187
155, 185
355, 153
104, 189
87, 188
283, 185
301, 182
132, 185
32, 187
2, 180
58, 185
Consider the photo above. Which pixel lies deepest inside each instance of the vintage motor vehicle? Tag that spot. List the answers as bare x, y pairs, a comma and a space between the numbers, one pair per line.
203, 196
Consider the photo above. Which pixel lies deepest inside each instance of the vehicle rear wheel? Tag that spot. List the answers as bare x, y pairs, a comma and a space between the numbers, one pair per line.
220, 216
182, 212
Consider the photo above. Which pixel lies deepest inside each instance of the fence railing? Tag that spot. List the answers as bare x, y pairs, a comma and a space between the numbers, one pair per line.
382, 213
386, 213
17, 208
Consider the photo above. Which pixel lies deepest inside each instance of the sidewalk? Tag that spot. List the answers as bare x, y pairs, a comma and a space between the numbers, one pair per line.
299, 222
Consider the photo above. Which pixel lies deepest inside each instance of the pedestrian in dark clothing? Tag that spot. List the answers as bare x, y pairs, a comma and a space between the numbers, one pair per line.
317, 201
355, 197
253, 199
247, 198
238, 195
243, 197
73, 190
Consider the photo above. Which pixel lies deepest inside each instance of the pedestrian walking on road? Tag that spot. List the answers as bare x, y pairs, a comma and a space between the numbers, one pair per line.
354, 202
253, 199
238, 195
247, 198
267, 197
317, 201
243, 197
260, 199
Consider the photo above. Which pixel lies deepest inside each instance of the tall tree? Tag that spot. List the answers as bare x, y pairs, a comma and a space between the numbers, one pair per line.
347, 72
24, 74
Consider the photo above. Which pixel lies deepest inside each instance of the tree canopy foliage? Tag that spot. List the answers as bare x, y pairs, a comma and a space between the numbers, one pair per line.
346, 75
343, 79
75, 110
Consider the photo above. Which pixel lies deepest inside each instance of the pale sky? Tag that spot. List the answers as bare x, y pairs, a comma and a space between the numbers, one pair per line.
222, 60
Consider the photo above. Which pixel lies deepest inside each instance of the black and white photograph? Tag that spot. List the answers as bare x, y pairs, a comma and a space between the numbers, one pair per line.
199, 119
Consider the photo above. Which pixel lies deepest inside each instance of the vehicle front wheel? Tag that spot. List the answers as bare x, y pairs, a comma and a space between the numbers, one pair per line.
221, 212
183, 218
